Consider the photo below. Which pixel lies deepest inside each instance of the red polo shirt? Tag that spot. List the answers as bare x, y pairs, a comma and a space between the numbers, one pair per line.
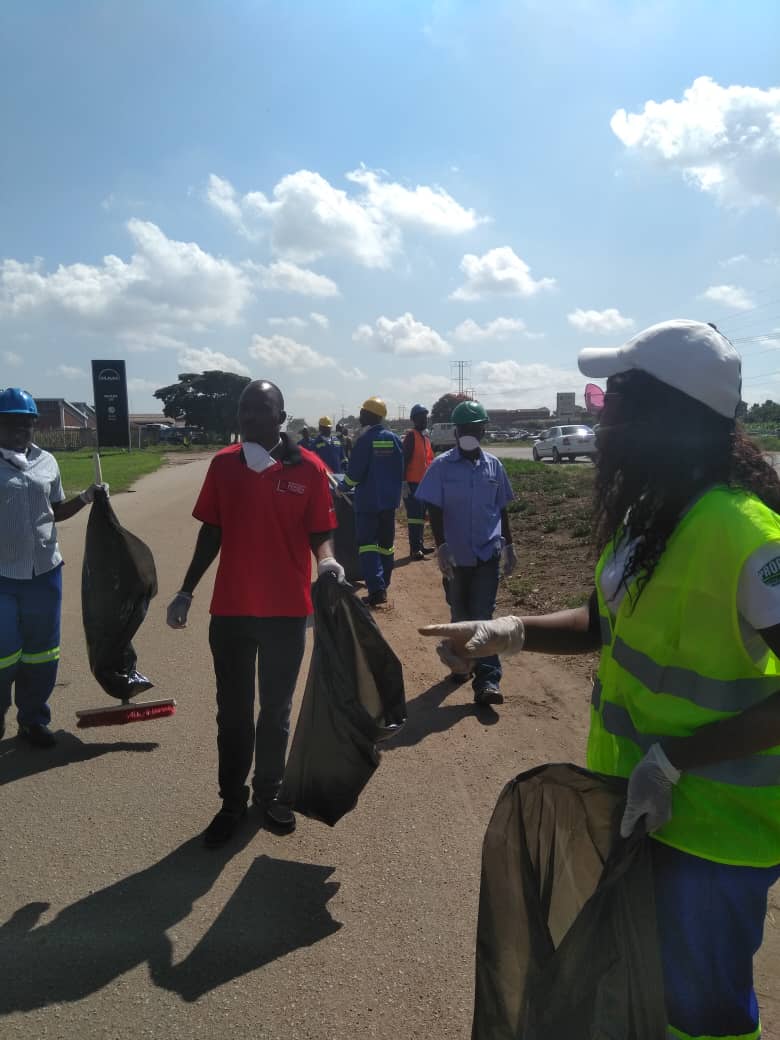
266, 519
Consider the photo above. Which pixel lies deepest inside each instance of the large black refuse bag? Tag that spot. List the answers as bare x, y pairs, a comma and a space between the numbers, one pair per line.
344, 540
118, 579
567, 945
354, 697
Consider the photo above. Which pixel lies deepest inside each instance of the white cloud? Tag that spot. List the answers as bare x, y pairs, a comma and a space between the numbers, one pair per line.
724, 140
469, 331
137, 385
202, 359
309, 218
296, 323
288, 353
11, 359
320, 319
730, 296
731, 261
403, 336
70, 372
431, 208
499, 272
165, 283
315, 394
508, 384
426, 388
284, 276
606, 321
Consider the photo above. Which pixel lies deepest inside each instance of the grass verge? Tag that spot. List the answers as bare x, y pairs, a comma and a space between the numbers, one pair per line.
120, 468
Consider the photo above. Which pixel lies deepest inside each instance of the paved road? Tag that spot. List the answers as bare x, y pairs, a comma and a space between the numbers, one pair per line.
115, 922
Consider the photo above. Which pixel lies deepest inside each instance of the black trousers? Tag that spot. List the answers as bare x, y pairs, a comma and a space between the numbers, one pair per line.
242, 648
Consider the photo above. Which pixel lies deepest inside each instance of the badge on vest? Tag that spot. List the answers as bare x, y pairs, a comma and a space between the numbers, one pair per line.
291, 487
770, 572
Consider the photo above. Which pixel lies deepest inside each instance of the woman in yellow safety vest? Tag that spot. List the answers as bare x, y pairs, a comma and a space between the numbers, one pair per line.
686, 613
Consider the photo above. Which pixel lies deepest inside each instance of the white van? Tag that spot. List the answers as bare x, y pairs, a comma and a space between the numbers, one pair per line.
442, 436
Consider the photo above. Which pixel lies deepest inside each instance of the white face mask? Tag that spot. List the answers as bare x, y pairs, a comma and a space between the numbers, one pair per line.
257, 458
468, 443
16, 458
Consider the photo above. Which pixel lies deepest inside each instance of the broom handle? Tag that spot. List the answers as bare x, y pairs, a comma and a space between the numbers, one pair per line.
98, 469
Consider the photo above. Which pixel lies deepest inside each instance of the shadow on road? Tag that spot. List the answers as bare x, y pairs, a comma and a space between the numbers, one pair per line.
278, 907
427, 714
18, 760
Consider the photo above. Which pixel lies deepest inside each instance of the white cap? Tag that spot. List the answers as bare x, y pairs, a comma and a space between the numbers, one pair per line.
691, 356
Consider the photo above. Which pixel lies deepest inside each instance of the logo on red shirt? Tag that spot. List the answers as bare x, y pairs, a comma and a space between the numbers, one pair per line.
292, 487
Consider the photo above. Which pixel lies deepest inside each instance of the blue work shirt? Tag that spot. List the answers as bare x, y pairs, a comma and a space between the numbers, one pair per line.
330, 450
376, 470
471, 496
28, 534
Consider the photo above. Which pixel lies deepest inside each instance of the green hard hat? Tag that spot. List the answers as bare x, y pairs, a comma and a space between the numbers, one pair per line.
468, 413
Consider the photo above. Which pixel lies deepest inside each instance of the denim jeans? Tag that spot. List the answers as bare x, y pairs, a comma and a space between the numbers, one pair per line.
471, 595
242, 647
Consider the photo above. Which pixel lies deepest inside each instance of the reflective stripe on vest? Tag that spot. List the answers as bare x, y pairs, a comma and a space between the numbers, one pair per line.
673, 660
421, 458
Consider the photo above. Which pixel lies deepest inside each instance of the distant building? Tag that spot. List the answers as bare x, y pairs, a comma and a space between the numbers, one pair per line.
55, 413
150, 419
510, 418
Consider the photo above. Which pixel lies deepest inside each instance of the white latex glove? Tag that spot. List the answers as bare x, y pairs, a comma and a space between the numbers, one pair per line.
405, 492
508, 560
447, 656
330, 565
446, 561
504, 635
88, 494
650, 792
178, 610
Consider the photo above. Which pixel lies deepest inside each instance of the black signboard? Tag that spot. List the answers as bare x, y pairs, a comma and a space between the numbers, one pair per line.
109, 382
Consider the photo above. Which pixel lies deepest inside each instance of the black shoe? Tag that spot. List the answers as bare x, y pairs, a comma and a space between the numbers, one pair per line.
37, 735
277, 816
376, 599
418, 554
224, 824
429, 551
488, 694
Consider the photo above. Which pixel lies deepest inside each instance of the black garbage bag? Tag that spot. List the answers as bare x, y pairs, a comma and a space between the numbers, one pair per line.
345, 546
354, 698
118, 579
567, 945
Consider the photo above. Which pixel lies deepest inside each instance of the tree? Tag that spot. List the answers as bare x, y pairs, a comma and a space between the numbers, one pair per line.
445, 406
205, 399
768, 412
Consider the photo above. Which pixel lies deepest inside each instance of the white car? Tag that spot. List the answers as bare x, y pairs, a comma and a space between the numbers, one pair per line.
565, 442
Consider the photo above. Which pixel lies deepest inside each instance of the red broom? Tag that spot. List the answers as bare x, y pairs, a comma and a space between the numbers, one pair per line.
127, 710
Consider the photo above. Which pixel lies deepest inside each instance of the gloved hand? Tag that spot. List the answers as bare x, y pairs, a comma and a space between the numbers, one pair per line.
88, 494
178, 610
405, 490
508, 560
650, 792
446, 561
504, 635
330, 565
447, 656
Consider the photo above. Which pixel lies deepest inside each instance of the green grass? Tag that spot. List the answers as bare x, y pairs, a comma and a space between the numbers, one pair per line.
768, 443
120, 468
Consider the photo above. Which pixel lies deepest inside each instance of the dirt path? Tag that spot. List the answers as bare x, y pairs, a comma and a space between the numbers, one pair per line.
114, 922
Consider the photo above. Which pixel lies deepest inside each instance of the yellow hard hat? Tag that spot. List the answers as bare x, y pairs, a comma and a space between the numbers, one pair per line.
376, 406
325, 421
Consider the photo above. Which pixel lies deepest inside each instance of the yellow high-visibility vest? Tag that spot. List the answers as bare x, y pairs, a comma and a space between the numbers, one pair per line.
674, 660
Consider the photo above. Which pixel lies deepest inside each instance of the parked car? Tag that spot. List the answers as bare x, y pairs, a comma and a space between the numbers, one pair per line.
565, 442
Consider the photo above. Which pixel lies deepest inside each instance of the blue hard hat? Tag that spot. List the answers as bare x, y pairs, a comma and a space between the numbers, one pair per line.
418, 409
14, 401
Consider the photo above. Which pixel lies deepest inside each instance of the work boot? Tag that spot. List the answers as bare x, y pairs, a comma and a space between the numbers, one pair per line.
277, 817
428, 550
376, 599
488, 694
418, 554
224, 824
37, 735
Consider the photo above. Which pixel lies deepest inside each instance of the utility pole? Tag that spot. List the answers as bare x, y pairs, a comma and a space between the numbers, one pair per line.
460, 373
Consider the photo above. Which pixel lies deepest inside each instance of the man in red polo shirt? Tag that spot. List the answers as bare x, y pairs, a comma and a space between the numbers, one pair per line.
265, 506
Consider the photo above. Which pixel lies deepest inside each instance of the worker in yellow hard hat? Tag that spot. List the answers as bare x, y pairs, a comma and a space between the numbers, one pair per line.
329, 448
376, 472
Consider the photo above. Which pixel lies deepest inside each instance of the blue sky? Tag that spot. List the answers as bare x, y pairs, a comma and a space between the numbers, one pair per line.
346, 197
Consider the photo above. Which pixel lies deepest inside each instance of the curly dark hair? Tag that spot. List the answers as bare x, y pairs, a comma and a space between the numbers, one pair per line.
659, 450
